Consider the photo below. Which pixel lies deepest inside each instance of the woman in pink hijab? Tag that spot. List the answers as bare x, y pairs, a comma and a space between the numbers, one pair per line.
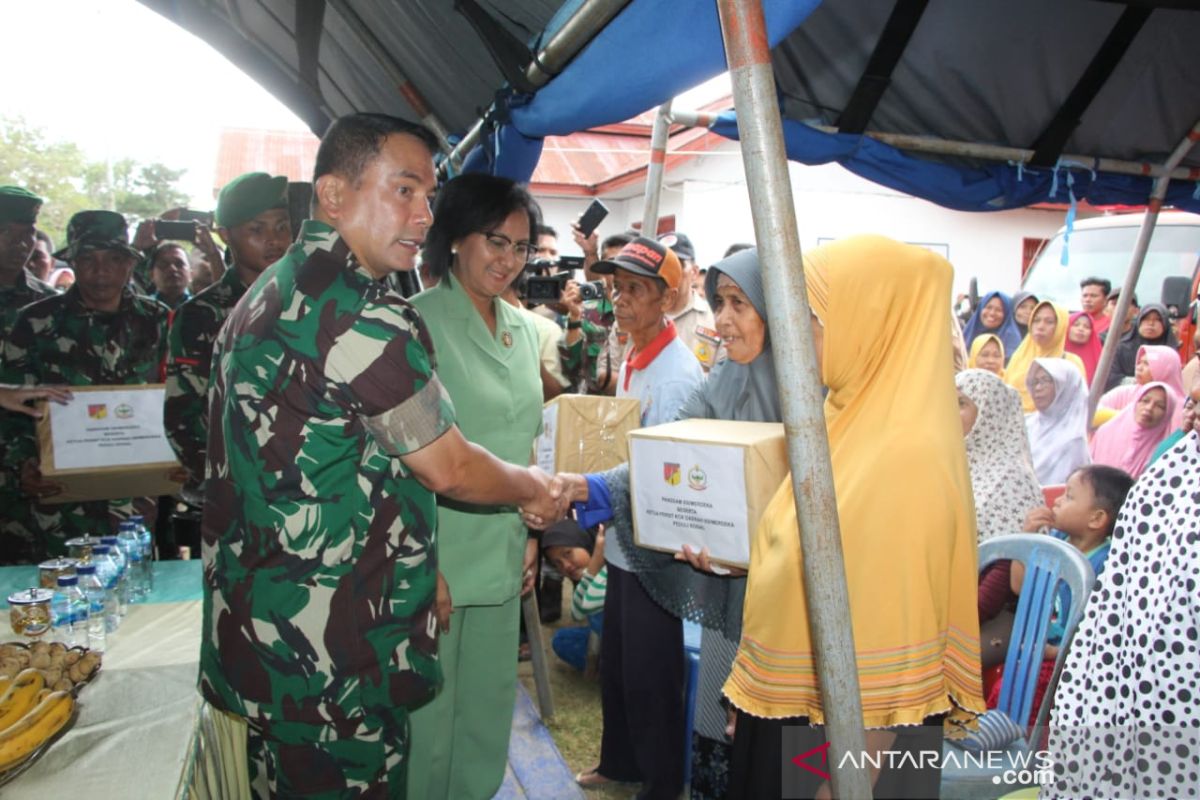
1083, 342
1155, 363
1129, 440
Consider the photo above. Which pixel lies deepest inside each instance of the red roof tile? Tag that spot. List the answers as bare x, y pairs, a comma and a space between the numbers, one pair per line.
242, 150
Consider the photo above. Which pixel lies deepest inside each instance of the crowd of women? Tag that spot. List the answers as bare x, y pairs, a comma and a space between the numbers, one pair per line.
920, 479
1049, 356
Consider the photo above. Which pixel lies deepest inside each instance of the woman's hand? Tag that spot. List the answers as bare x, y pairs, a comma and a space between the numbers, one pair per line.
443, 605
14, 398
702, 562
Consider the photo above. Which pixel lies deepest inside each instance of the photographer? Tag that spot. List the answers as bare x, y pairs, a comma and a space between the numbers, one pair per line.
591, 356
152, 237
550, 336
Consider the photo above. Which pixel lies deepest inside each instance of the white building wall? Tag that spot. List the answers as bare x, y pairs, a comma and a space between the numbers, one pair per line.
708, 196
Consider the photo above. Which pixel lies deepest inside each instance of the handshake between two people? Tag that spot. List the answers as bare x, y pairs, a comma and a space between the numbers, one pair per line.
555, 495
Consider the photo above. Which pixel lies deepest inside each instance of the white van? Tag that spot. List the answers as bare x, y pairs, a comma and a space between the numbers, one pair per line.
1102, 246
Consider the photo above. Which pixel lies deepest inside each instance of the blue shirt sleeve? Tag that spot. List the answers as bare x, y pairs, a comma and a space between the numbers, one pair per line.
598, 507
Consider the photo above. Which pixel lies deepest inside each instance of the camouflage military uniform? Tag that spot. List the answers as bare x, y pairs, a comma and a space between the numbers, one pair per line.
583, 361
17, 529
26, 290
185, 410
60, 340
319, 551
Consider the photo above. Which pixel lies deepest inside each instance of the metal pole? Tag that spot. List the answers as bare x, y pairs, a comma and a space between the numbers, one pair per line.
406, 88
745, 34
564, 45
1135, 266
989, 152
654, 173
572, 37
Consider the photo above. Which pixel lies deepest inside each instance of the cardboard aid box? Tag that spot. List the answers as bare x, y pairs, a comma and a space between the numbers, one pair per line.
704, 483
106, 443
586, 433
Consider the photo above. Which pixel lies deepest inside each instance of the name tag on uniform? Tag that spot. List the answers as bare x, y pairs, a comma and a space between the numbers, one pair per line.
708, 342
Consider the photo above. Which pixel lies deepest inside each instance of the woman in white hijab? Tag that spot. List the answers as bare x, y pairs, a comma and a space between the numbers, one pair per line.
1058, 427
1002, 477
1126, 720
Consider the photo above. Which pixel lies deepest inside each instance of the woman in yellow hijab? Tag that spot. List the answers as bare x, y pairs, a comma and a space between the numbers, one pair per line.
987, 352
1047, 338
907, 526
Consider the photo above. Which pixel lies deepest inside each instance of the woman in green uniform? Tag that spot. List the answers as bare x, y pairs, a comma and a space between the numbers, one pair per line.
487, 358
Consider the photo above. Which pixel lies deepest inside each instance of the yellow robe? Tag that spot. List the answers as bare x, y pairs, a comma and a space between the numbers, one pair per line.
1028, 350
903, 496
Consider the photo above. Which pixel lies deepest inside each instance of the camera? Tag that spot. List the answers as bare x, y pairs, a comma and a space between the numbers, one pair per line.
182, 231
592, 290
543, 280
545, 288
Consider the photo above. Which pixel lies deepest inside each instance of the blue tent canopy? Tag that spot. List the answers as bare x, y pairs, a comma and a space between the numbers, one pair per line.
942, 83
1100, 78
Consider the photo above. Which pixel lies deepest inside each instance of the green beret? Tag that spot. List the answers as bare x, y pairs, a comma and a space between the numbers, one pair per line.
19, 205
247, 196
96, 230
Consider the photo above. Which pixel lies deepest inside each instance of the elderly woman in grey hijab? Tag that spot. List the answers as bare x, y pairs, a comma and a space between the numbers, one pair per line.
740, 388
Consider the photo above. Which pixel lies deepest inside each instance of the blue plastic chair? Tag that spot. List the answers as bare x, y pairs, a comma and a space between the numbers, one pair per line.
1048, 562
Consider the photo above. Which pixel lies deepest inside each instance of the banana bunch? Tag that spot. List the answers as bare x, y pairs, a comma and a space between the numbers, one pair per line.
30, 715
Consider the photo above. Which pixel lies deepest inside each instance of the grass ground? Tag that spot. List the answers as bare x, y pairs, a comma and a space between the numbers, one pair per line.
576, 724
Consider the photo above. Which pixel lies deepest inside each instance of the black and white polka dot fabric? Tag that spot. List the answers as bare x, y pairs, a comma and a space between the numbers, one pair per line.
1126, 721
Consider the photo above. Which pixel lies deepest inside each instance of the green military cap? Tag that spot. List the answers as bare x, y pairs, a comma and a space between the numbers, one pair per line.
247, 196
96, 230
19, 205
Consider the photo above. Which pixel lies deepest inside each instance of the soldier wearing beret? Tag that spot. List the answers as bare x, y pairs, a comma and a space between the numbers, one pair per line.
252, 218
18, 288
97, 333
18, 235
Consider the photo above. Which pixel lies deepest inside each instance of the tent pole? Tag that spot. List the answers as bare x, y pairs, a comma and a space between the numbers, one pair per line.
654, 173
988, 152
1109, 354
565, 44
411, 94
744, 30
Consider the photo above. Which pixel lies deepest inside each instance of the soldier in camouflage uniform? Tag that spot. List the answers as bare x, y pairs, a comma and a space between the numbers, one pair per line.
97, 333
18, 288
18, 235
252, 218
329, 434
586, 356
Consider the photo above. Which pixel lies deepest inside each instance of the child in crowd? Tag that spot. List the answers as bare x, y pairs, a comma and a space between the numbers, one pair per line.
575, 554
1084, 516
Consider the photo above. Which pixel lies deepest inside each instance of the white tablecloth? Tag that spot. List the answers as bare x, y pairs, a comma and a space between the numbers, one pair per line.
134, 731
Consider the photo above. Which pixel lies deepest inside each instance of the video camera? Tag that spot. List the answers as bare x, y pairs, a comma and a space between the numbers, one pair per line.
544, 280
